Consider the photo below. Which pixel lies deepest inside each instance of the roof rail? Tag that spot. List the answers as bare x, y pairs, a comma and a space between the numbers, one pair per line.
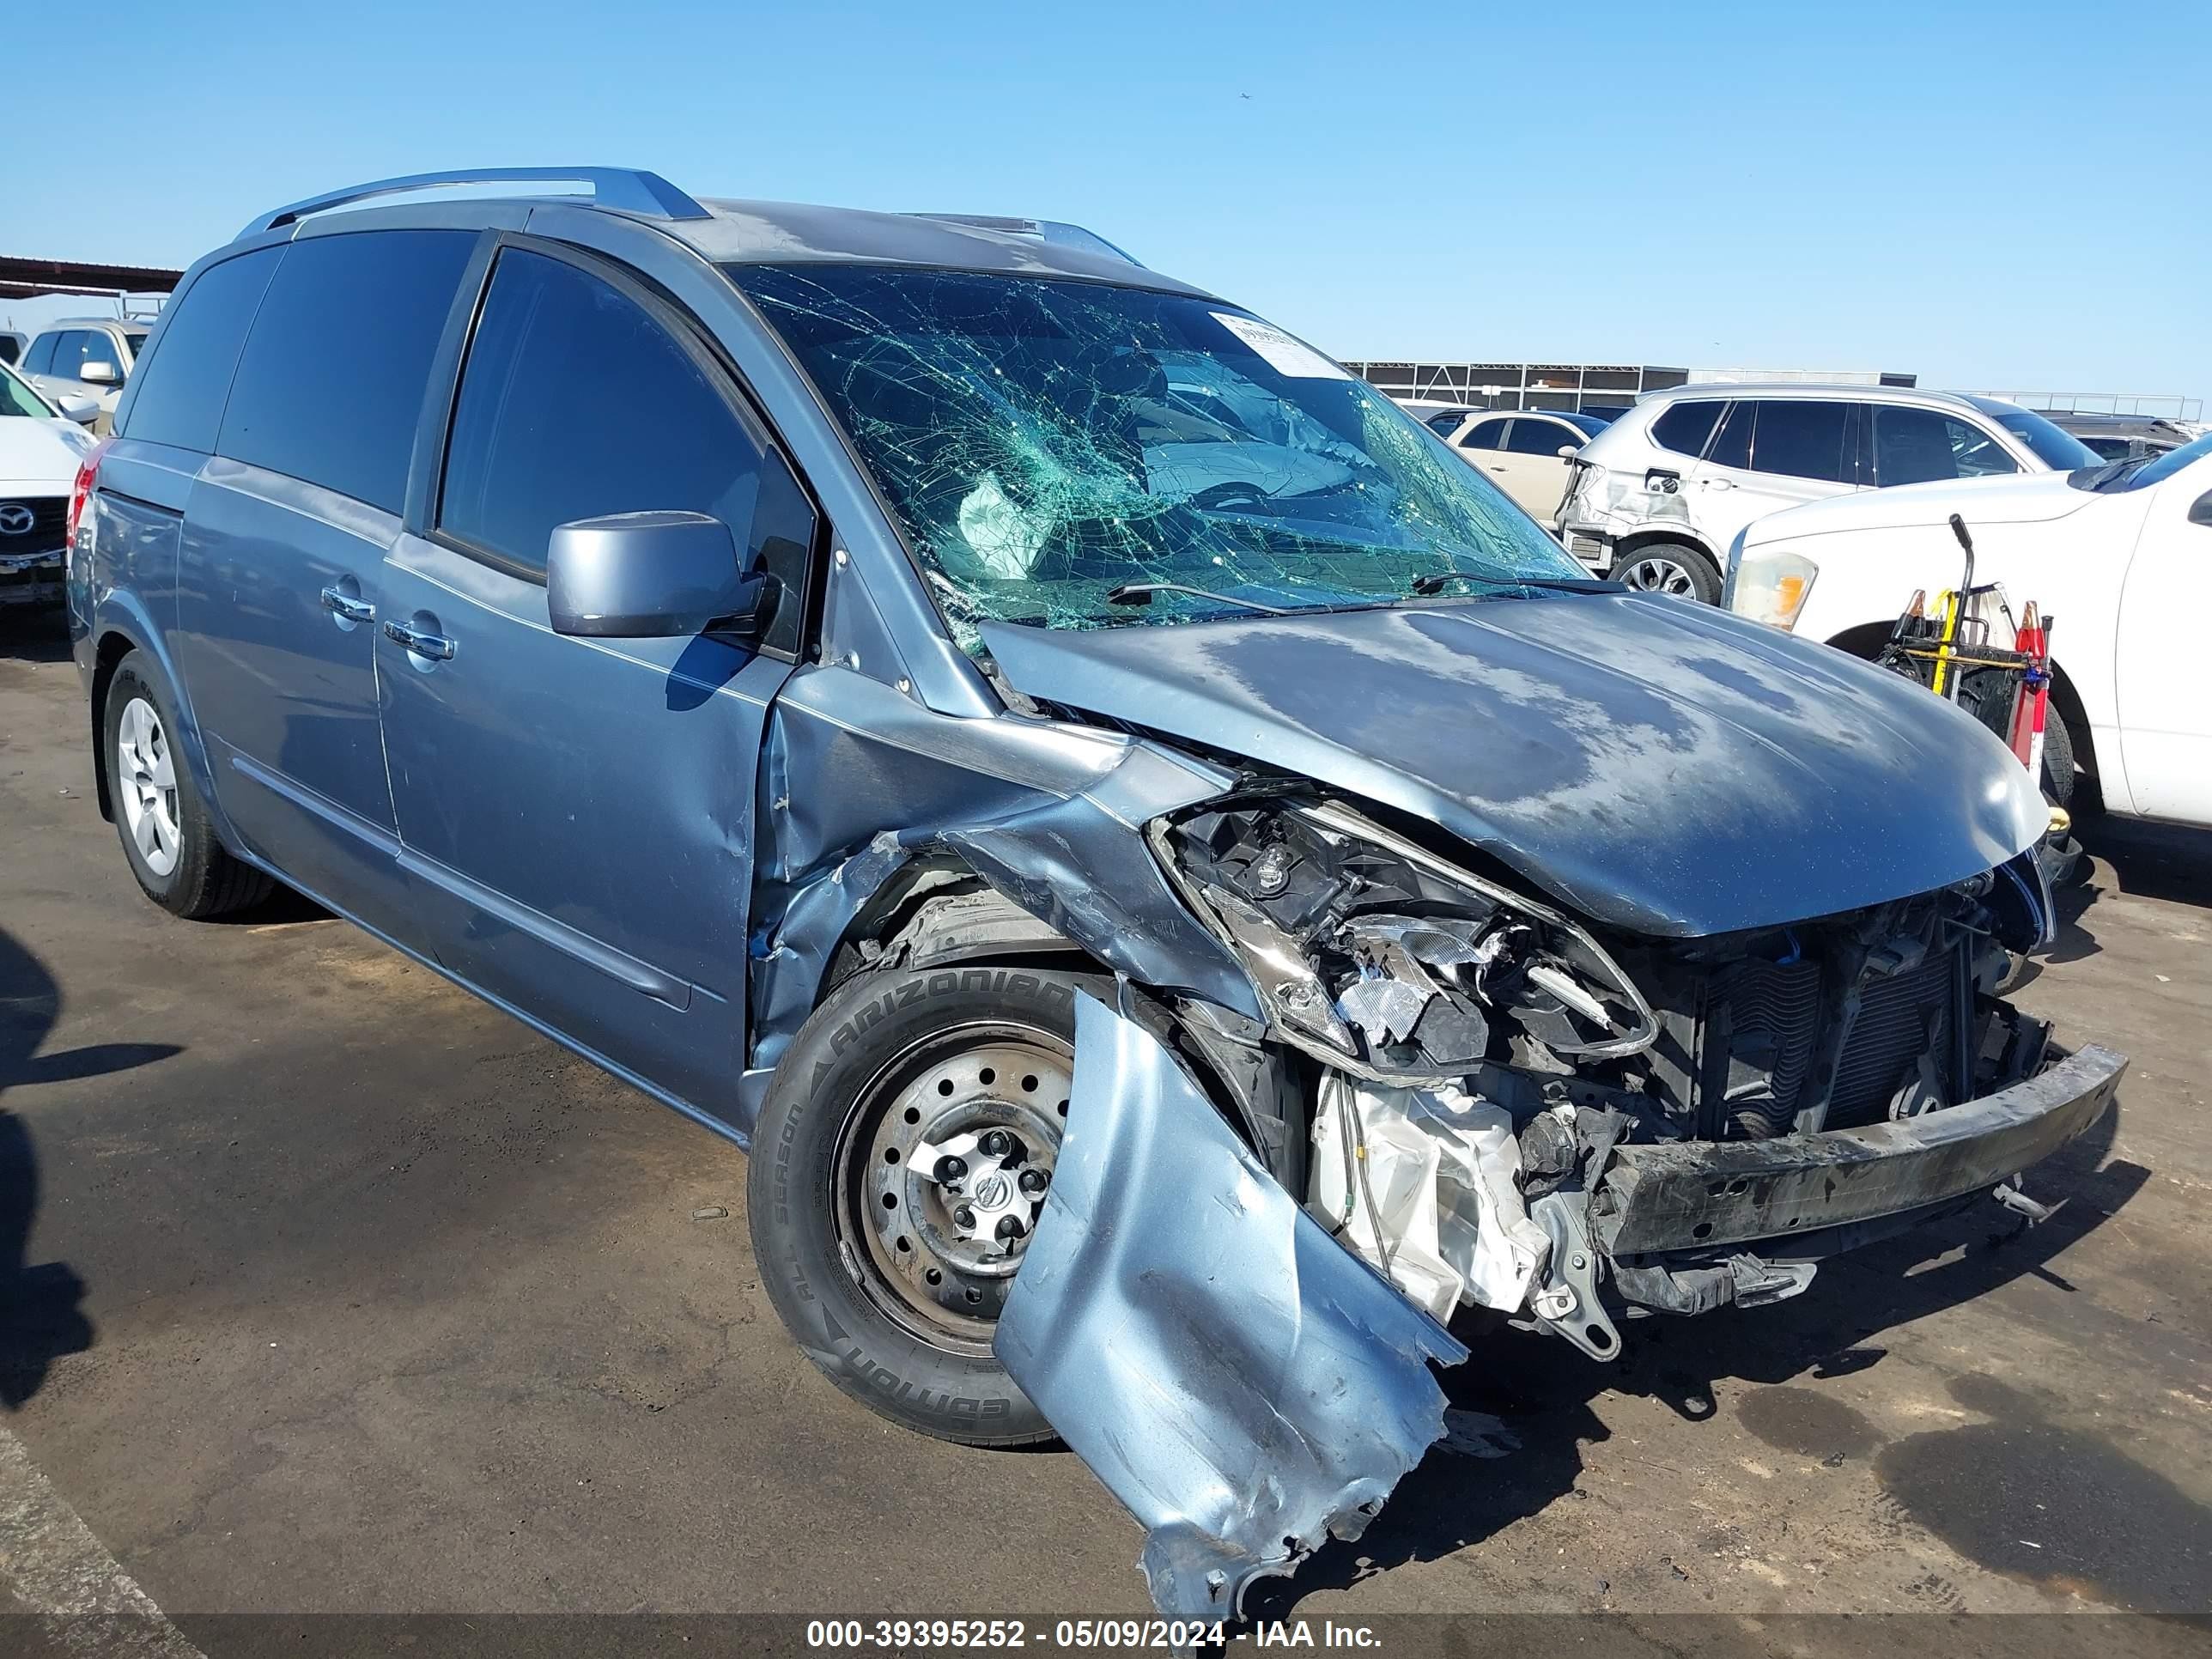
629, 189
1052, 231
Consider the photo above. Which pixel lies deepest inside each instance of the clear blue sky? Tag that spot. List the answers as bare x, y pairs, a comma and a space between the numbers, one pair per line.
1992, 195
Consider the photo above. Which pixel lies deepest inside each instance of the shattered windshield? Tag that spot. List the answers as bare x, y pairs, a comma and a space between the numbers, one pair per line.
1042, 443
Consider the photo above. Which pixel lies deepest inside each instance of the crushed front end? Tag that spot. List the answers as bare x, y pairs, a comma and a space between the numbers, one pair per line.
1561, 1122
1498, 1106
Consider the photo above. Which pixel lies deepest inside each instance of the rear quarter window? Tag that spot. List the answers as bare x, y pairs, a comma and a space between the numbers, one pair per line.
181, 386
1685, 426
1800, 438
330, 387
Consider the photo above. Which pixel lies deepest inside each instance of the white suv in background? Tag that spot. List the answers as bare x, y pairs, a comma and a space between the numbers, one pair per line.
85, 357
1655, 499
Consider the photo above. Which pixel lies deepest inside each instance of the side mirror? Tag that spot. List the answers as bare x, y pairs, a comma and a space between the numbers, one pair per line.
2200, 510
83, 410
651, 575
97, 373
1568, 452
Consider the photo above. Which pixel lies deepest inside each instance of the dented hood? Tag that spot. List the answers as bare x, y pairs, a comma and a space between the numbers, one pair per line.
1660, 766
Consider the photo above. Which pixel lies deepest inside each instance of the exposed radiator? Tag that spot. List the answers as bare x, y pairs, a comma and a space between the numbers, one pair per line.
1772, 1011
1900, 1018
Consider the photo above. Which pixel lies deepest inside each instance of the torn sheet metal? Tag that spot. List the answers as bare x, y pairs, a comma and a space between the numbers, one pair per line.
1441, 1172
1242, 1382
857, 779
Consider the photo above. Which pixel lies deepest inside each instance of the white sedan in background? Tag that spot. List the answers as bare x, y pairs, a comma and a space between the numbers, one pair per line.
2118, 556
1522, 451
40, 447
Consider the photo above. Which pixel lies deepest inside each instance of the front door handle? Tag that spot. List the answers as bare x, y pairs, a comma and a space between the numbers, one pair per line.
1719, 483
350, 607
433, 646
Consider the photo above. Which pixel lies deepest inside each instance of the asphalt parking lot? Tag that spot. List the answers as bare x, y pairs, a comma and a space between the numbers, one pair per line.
333, 1290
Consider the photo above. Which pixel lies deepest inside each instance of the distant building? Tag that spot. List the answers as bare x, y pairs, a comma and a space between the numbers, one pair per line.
1599, 388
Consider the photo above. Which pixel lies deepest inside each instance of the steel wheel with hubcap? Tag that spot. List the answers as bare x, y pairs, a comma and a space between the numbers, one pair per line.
901, 1164
944, 1166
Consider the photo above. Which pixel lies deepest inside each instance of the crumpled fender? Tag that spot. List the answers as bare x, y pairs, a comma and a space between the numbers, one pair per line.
1242, 1382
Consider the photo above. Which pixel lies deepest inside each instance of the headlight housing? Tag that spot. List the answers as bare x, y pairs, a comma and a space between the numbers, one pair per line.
1375, 956
1771, 587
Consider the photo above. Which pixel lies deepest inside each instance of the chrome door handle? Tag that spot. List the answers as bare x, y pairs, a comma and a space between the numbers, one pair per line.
347, 606
1719, 483
435, 646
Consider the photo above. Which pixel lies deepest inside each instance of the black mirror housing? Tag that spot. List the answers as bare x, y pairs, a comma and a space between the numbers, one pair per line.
658, 575
2200, 510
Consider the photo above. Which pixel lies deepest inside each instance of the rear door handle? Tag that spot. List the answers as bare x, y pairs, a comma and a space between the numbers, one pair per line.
433, 646
351, 606
1719, 483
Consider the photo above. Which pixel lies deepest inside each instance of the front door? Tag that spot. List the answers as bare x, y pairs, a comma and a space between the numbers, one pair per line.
577, 815
2166, 731
1770, 453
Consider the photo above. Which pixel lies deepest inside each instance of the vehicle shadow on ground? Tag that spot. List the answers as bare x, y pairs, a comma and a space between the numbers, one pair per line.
1523, 1402
40, 1319
39, 638
284, 904
2167, 862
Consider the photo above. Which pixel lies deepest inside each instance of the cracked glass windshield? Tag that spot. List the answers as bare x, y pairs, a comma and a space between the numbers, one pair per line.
1044, 443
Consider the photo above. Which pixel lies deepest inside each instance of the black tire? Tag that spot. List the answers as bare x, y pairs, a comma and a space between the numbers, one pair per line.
2058, 773
1704, 576
204, 880
1988, 694
841, 1090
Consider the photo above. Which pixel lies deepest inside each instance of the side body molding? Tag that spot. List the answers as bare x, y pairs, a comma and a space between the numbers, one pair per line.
1239, 1380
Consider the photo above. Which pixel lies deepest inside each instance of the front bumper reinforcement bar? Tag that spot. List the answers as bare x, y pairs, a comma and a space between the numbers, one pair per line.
1684, 1196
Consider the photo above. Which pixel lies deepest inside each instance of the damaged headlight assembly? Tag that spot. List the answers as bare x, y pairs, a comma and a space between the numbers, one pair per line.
1376, 957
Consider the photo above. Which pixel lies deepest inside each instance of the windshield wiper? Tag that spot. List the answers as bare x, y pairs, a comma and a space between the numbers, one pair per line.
1141, 594
1430, 585
2111, 472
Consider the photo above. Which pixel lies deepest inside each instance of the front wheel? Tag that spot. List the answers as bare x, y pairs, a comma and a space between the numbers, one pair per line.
1670, 568
899, 1166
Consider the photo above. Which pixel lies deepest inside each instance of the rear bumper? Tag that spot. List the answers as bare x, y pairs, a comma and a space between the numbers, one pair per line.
1589, 547
1687, 1196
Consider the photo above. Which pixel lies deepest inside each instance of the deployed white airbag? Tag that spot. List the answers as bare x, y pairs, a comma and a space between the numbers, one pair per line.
1441, 1168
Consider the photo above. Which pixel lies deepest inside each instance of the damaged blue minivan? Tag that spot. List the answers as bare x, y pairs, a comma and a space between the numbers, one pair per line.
1187, 891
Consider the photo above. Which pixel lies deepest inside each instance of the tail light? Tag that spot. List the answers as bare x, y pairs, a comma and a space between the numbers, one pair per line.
87, 472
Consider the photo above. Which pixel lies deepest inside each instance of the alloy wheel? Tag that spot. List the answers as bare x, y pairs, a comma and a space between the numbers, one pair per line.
1656, 574
146, 779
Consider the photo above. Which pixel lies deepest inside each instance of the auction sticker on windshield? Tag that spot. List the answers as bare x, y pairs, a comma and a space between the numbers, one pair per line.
1279, 351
